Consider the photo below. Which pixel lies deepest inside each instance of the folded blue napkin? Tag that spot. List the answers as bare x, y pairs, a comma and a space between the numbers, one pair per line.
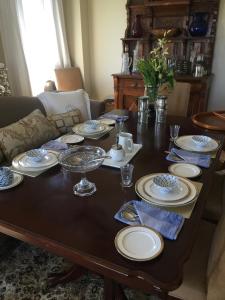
202, 160
167, 223
113, 116
55, 145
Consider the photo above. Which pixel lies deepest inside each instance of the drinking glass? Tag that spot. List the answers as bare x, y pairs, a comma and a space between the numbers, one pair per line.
126, 175
174, 131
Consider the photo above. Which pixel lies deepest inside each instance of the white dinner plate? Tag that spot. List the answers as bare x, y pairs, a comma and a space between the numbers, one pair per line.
107, 121
154, 191
186, 143
82, 129
139, 243
71, 139
20, 162
17, 178
139, 188
185, 170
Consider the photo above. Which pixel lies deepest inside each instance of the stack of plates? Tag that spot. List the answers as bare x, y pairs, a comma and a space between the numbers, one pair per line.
23, 163
184, 194
186, 142
83, 130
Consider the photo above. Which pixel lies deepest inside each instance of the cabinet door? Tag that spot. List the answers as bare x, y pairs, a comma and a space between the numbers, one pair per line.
126, 92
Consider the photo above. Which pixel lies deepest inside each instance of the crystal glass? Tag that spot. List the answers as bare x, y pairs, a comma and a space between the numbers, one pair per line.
82, 159
174, 132
126, 175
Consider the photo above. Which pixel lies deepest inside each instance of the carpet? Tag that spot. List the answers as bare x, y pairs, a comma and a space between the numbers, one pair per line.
24, 272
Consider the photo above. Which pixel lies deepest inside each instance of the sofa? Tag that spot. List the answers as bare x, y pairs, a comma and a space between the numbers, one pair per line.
13, 109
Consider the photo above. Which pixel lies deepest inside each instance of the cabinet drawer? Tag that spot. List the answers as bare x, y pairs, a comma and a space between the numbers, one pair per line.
132, 83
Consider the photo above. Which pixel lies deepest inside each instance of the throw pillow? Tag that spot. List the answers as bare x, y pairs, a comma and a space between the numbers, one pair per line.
65, 121
61, 102
30, 132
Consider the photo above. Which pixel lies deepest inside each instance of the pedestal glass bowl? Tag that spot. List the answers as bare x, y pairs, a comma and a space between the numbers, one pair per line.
82, 159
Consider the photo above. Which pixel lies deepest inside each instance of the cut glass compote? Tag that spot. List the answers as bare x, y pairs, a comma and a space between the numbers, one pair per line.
82, 159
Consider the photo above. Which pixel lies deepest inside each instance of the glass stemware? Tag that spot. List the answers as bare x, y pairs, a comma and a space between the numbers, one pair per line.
174, 132
82, 159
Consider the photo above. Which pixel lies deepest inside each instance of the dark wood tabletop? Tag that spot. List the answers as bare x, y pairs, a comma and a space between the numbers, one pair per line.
43, 211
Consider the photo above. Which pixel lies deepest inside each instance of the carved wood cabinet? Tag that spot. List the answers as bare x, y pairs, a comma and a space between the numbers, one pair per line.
128, 87
186, 49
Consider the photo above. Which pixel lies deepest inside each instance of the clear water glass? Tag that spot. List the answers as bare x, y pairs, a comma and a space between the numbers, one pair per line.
174, 132
126, 175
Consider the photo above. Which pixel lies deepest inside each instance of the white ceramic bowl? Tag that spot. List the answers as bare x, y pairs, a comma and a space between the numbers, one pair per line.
36, 155
201, 140
166, 182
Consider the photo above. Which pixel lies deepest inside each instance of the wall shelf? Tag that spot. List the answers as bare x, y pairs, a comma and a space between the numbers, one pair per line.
153, 3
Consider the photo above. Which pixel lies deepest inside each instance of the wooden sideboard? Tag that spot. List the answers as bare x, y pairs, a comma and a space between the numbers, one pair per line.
128, 87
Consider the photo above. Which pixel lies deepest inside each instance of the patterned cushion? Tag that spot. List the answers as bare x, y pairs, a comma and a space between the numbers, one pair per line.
65, 121
30, 132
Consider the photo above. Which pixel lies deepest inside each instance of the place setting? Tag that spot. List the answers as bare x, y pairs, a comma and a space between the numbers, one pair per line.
92, 129
197, 150
143, 240
34, 162
174, 193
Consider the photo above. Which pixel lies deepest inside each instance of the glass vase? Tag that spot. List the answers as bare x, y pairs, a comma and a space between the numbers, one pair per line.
161, 109
136, 29
151, 92
199, 25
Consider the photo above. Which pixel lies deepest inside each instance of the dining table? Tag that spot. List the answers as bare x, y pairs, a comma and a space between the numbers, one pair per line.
43, 211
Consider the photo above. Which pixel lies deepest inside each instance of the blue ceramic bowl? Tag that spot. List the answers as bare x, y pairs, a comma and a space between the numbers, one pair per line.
6, 176
201, 140
166, 182
36, 155
92, 125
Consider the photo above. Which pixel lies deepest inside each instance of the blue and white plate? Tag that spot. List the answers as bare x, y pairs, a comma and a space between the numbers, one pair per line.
17, 179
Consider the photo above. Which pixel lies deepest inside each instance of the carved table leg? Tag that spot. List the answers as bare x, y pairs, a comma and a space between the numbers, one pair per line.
113, 291
67, 276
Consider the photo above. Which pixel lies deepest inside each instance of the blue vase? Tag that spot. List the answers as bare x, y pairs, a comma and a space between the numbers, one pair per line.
199, 25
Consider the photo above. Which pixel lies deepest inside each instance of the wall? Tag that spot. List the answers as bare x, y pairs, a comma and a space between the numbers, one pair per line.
107, 24
2, 58
94, 29
217, 94
76, 21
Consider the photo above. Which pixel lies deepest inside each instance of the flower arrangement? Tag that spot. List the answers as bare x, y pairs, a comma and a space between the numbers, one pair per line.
156, 73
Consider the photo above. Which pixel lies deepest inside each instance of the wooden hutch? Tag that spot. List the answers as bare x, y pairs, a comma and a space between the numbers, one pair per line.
184, 48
